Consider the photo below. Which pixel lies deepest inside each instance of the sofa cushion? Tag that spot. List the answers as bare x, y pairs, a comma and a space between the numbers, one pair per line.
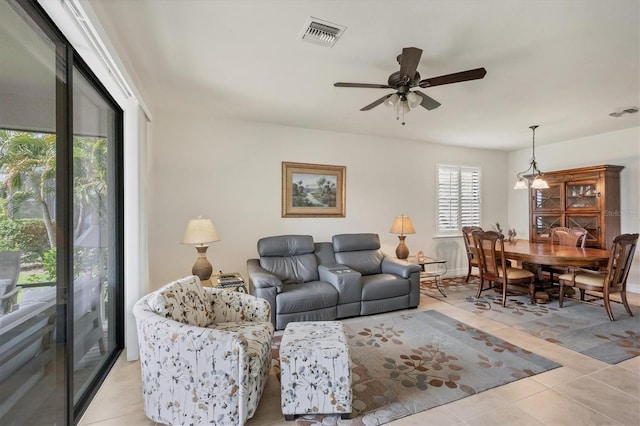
184, 301
367, 262
359, 251
324, 253
384, 286
306, 297
292, 269
285, 245
289, 257
355, 242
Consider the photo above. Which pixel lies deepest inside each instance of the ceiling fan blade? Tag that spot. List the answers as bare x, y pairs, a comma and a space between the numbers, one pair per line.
365, 85
375, 103
457, 77
409, 62
427, 101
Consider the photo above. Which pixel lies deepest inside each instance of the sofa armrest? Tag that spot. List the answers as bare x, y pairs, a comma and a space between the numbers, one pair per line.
233, 306
260, 277
336, 273
399, 267
347, 281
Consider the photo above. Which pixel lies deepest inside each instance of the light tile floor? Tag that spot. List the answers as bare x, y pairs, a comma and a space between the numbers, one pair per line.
582, 392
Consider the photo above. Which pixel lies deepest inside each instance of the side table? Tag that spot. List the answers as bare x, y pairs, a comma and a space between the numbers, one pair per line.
437, 270
229, 281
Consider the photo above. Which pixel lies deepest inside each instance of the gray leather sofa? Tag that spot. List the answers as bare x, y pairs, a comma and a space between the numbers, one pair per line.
351, 276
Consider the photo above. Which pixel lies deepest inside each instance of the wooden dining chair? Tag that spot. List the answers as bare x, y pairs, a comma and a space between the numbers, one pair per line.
611, 280
574, 237
493, 265
472, 259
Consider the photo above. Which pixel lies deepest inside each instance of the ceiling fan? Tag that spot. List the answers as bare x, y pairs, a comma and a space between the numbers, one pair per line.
407, 78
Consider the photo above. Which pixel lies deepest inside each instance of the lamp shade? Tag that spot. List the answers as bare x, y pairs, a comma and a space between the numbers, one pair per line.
200, 231
402, 225
392, 100
414, 99
521, 184
539, 183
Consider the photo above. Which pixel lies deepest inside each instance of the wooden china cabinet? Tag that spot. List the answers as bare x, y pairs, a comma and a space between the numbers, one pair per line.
587, 197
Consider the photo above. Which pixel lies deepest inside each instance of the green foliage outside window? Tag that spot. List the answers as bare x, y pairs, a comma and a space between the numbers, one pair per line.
27, 196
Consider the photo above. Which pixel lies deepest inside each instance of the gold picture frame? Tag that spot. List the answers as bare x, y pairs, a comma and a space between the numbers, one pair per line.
313, 190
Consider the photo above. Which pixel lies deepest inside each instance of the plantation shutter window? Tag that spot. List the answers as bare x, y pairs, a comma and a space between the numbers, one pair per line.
458, 204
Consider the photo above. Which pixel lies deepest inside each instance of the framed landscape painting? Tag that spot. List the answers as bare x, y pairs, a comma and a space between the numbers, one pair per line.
313, 190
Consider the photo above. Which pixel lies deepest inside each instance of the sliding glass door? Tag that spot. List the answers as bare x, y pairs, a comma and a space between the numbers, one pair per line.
61, 276
96, 214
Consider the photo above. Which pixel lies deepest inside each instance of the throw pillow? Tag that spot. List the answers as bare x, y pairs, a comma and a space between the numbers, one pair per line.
184, 301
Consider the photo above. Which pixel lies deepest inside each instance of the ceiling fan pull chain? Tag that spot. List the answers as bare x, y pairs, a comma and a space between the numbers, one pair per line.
400, 103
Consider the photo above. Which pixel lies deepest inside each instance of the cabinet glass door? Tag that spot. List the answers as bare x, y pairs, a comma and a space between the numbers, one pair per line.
548, 198
582, 195
542, 225
589, 222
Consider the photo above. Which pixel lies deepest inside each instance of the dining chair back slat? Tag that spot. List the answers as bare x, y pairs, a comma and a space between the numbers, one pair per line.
569, 236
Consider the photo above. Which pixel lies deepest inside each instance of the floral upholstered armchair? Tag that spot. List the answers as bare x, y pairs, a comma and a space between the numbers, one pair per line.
205, 353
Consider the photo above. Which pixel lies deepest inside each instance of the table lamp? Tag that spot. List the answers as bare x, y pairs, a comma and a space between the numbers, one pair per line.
201, 231
402, 225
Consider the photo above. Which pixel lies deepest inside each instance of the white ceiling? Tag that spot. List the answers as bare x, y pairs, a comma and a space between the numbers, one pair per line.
562, 64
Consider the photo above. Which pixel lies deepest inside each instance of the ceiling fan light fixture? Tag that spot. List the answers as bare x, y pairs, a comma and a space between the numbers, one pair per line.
414, 99
404, 106
392, 100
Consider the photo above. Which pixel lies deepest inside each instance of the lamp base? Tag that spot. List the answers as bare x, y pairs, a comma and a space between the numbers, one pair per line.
202, 268
402, 251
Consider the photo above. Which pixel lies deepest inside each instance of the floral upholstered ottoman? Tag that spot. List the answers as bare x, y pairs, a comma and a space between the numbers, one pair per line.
315, 369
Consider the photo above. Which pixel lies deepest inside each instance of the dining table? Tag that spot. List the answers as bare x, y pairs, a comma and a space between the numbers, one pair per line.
555, 255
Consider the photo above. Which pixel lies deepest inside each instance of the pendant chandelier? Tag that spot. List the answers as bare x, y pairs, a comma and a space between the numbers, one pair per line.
532, 177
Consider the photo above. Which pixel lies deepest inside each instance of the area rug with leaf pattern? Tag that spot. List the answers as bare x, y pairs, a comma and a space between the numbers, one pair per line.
580, 326
409, 361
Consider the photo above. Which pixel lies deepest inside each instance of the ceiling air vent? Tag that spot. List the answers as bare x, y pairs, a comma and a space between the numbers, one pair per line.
630, 110
321, 32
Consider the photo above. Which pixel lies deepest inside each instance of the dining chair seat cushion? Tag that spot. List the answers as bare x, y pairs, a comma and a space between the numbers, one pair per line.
594, 280
517, 273
474, 262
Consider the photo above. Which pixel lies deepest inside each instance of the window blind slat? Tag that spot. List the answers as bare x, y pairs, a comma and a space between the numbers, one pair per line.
458, 202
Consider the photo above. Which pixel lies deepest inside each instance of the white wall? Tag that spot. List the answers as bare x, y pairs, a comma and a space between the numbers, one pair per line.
230, 172
619, 148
